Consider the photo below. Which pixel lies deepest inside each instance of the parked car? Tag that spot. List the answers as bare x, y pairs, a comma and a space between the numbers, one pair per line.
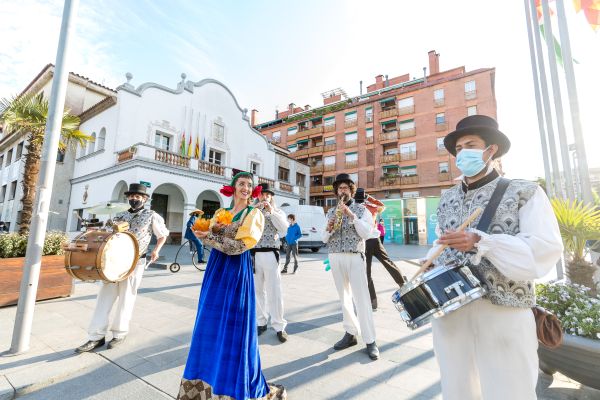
312, 223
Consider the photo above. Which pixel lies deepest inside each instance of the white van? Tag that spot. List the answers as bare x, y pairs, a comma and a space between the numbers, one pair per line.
312, 223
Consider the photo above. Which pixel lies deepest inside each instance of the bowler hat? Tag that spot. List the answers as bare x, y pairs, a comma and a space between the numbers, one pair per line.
341, 178
266, 188
136, 188
483, 126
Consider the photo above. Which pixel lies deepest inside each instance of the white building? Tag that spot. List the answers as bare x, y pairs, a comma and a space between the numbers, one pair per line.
82, 94
141, 143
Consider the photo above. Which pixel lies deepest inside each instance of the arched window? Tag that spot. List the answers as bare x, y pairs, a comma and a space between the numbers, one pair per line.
91, 145
101, 139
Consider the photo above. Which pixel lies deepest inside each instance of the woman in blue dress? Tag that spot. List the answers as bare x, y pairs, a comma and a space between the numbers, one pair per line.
224, 361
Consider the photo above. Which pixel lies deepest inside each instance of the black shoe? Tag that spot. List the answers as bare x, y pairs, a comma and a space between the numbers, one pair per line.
282, 336
115, 342
373, 351
295, 268
261, 329
374, 304
284, 271
347, 341
90, 345
201, 262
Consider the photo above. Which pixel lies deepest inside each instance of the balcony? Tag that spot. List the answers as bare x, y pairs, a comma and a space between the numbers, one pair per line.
406, 110
315, 149
351, 164
301, 152
350, 143
171, 158
350, 123
392, 112
268, 181
314, 189
395, 180
409, 180
442, 151
470, 95
328, 167
327, 188
404, 133
125, 155
409, 155
313, 130
443, 176
316, 169
329, 128
390, 158
441, 126
286, 187
369, 140
386, 136
211, 168
329, 147
439, 102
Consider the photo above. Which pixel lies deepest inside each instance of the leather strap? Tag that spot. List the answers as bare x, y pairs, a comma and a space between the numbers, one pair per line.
492, 206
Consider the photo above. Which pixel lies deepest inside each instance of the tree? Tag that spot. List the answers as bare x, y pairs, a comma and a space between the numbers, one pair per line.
28, 114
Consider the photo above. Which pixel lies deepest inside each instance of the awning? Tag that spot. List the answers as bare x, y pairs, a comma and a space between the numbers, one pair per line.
411, 167
387, 99
388, 122
351, 112
351, 133
330, 118
390, 166
302, 141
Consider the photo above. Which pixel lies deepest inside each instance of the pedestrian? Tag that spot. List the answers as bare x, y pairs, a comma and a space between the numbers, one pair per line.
143, 223
381, 229
195, 243
3, 227
224, 360
291, 238
487, 349
267, 277
349, 225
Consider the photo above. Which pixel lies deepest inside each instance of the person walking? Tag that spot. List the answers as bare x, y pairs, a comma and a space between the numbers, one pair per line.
293, 234
381, 229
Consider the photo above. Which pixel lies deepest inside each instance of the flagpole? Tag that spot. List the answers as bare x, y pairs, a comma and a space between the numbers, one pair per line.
558, 188
560, 120
538, 104
582, 165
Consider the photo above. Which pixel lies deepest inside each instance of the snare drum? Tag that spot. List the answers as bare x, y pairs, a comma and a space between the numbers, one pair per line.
436, 293
101, 255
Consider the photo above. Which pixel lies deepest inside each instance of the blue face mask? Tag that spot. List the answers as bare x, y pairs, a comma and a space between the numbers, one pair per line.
470, 161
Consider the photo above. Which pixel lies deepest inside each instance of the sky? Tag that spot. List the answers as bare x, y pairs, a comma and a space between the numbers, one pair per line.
271, 53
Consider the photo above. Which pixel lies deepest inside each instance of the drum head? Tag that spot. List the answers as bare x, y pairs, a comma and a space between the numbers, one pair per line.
118, 256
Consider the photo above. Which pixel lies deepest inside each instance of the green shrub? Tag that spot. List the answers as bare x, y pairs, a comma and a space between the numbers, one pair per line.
15, 245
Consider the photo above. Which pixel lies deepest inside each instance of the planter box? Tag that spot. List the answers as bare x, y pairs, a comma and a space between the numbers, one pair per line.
54, 279
577, 358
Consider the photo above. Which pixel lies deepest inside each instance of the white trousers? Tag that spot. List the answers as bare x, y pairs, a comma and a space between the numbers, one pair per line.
350, 277
487, 352
126, 292
267, 287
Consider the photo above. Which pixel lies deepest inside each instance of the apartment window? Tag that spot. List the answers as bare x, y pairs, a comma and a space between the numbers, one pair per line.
443, 167
215, 157
350, 136
300, 179
350, 117
369, 132
302, 144
13, 190
406, 104
440, 143
218, 132
317, 202
276, 137
60, 156
329, 121
329, 160
292, 131
470, 86
472, 110
408, 171
162, 141
20, 150
101, 139
440, 118
284, 174
438, 95
2, 193
328, 180
388, 126
390, 170
408, 148
329, 140
407, 125
369, 114
331, 202
9, 157
351, 157
292, 148
254, 167
91, 144
390, 150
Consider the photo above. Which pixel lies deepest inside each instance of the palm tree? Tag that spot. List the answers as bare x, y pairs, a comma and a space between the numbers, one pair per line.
28, 114
578, 223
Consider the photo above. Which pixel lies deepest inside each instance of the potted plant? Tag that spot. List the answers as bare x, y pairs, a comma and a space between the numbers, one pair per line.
578, 224
54, 280
578, 357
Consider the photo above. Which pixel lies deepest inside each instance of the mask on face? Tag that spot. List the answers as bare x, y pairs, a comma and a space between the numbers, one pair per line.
135, 204
470, 161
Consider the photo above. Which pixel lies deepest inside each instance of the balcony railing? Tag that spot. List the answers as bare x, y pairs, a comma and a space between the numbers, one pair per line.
329, 147
404, 133
285, 187
406, 110
388, 113
409, 180
329, 128
270, 182
444, 176
316, 189
352, 164
408, 155
315, 169
470, 95
395, 180
441, 126
390, 158
211, 168
438, 102
316, 129
328, 167
171, 158
393, 135
315, 149
328, 188
350, 123
301, 152
369, 140
350, 143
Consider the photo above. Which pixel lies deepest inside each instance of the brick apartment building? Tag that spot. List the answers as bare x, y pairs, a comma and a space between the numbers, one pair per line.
389, 138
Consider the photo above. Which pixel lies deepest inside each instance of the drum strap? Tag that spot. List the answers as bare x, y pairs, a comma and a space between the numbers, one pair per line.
492, 206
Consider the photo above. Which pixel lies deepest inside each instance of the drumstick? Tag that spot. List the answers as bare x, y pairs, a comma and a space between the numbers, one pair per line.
443, 247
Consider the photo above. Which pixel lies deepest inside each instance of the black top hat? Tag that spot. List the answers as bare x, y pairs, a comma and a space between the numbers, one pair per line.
482, 126
266, 188
360, 195
136, 188
341, 178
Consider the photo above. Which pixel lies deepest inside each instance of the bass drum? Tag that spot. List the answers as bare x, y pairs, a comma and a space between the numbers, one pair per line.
100, 255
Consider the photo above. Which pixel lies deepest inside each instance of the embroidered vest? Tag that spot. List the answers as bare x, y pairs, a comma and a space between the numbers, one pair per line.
270, 236
140, 224
346, 239
455, 206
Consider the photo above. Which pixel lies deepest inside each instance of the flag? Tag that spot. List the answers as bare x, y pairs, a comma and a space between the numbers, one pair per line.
197, 147
182, 145
189, 148
203, 150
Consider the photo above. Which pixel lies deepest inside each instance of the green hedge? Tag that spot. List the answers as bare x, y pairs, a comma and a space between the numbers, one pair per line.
15, 245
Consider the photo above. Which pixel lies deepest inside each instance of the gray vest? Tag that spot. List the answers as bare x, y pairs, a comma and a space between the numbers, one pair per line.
455, 206
140, 224
346, 239
270, 236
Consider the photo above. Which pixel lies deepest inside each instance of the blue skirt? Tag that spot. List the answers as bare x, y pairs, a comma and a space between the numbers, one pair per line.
224, 349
